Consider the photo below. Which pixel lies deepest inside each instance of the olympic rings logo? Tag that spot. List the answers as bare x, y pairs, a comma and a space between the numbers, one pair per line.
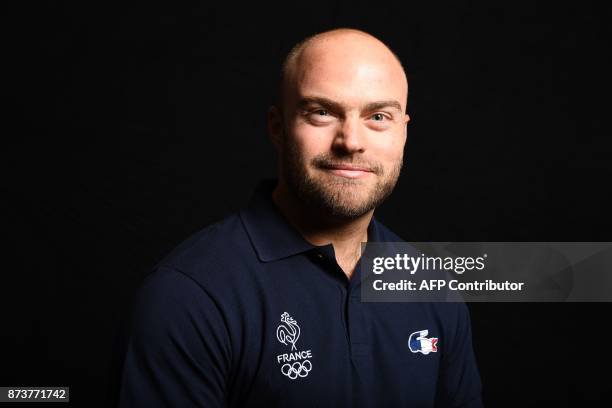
297, 369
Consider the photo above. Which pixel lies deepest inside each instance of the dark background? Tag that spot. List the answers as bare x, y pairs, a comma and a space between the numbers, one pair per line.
131, 126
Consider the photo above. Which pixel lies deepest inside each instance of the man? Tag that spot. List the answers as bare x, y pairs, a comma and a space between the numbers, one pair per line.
263, 308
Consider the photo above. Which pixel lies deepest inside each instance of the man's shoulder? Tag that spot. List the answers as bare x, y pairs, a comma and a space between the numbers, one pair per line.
220, 247
193, 279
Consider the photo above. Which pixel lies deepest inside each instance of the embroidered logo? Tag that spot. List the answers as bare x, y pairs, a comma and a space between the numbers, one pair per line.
297, 369
296, 363
288, 331
419, 343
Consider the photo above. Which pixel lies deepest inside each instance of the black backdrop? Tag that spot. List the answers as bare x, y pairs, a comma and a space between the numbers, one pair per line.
132, 125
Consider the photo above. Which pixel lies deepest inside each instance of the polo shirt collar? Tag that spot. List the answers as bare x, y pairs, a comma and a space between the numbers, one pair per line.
272, 236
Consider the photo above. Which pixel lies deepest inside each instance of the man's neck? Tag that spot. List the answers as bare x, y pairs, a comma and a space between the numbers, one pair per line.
346, 235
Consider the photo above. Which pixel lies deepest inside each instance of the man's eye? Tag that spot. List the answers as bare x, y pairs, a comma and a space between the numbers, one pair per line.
379, 117
320, 116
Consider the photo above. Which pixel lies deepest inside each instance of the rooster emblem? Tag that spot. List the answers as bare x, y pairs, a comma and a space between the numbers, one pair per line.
288, 332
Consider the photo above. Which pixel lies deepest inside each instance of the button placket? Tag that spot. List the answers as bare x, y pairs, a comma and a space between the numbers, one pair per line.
357, 323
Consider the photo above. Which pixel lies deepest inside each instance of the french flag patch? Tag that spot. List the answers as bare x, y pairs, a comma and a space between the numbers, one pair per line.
418, 342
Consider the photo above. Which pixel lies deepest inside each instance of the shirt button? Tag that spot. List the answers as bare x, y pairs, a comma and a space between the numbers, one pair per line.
319, 255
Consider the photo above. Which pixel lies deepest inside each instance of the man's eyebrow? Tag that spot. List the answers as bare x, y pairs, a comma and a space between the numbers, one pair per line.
327, 103
335, 106
372, 106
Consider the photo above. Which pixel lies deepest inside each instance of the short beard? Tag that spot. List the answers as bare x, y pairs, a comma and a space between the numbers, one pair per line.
336, 199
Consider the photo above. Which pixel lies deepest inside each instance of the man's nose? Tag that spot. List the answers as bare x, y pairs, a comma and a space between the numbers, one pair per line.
349, 137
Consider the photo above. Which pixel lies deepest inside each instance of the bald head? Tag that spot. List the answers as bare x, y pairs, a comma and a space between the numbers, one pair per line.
343, 47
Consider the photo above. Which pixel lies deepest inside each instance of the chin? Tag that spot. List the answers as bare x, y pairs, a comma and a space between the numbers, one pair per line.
349, 197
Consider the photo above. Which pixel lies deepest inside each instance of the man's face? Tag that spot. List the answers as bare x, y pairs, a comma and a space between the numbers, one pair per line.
344, 130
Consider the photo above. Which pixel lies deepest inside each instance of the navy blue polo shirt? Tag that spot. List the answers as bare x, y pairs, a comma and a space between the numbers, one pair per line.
247, 313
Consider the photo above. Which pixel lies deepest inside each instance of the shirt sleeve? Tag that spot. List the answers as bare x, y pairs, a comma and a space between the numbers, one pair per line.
459, 384
177, 351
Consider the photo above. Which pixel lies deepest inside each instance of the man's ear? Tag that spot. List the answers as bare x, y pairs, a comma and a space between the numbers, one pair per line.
275, 126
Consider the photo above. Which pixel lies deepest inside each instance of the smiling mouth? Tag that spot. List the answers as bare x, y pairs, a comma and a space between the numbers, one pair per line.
348, 171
